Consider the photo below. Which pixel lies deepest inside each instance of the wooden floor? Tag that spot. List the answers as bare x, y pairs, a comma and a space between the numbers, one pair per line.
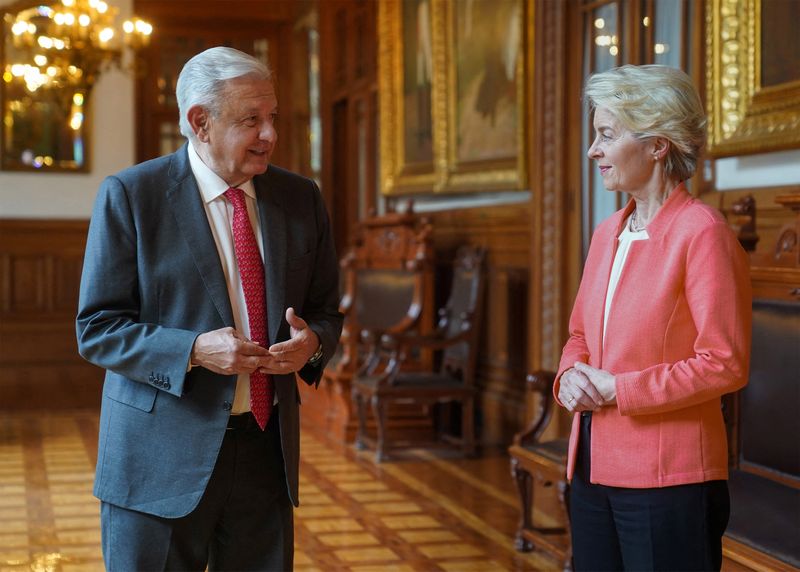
425, 510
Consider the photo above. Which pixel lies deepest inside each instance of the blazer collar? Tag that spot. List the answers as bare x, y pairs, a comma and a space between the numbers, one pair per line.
190, 215
272, 217
677, 199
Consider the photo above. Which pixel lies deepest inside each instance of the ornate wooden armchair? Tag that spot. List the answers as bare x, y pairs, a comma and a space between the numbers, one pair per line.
544, 463
383, 380
388, 285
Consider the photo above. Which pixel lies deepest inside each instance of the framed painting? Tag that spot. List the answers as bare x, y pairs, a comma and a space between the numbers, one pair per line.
486, 95
406, 84
417, 82
753, 76
452, 95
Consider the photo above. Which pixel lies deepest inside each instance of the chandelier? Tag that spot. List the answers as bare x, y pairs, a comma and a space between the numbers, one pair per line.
63, 47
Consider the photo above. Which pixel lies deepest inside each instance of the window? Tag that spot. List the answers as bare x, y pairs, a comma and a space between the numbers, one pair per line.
616, 32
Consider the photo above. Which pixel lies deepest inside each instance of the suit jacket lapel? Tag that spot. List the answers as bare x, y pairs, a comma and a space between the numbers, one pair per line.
187, 208
273, 234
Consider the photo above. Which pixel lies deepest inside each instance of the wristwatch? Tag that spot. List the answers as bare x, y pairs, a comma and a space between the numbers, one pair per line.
316, 357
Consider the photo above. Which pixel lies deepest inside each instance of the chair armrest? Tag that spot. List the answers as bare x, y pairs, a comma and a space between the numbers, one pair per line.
540, 382
370, 341
346, 303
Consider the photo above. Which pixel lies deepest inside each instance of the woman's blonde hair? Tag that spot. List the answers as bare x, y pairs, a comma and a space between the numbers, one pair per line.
654, 101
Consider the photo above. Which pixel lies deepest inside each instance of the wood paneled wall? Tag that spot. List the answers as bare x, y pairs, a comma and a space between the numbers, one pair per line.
555, 192
520, 238
771, 217
40, 268
348, 79
502, 358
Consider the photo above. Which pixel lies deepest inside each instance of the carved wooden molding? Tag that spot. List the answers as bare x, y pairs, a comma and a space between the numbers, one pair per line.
548, 129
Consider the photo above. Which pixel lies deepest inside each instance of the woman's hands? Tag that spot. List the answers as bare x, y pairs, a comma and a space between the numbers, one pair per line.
586, 388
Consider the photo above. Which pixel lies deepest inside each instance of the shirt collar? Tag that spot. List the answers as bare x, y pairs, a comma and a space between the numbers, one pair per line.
210, 184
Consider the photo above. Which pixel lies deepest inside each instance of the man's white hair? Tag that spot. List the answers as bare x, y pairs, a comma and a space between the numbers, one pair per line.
202, 80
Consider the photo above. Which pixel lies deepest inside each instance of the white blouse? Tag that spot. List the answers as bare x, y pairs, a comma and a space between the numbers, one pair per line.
626, 238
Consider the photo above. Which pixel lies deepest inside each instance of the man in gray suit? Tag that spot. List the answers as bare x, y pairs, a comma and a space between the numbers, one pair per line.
210, 279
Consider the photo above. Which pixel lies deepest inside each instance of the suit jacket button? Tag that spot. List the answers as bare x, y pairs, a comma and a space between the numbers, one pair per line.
167, 385
227, 405
151, 378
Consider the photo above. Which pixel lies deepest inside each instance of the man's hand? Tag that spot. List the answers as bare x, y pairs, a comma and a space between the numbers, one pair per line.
577, 392
293, 354
228, 352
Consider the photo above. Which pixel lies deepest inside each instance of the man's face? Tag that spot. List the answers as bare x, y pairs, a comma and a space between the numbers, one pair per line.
240, 138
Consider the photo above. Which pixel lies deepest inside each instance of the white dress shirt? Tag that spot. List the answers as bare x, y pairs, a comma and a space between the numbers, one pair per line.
626, 238
219, 211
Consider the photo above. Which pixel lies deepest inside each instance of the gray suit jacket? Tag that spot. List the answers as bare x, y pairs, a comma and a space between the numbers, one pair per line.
152, 282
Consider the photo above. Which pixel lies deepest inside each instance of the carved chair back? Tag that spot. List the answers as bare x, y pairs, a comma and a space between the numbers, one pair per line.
388, 280
388, 375
463, 313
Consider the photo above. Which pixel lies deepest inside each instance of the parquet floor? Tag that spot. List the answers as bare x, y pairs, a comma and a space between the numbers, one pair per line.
427, 510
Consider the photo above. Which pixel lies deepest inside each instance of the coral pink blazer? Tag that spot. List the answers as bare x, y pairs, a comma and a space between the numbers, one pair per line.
677, 339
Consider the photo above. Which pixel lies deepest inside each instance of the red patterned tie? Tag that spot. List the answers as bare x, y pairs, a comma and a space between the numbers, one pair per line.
251, 272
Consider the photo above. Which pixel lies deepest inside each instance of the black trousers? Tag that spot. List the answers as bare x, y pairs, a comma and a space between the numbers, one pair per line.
243, 522
675, 528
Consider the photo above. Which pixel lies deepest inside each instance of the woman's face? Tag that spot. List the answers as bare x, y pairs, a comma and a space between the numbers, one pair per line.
626, 163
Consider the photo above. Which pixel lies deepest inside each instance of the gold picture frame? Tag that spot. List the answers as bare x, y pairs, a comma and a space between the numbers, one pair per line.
750, 109
400, 173
477, 96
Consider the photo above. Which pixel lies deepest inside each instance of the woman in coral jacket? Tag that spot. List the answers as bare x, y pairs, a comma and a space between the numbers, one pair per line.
659, 332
